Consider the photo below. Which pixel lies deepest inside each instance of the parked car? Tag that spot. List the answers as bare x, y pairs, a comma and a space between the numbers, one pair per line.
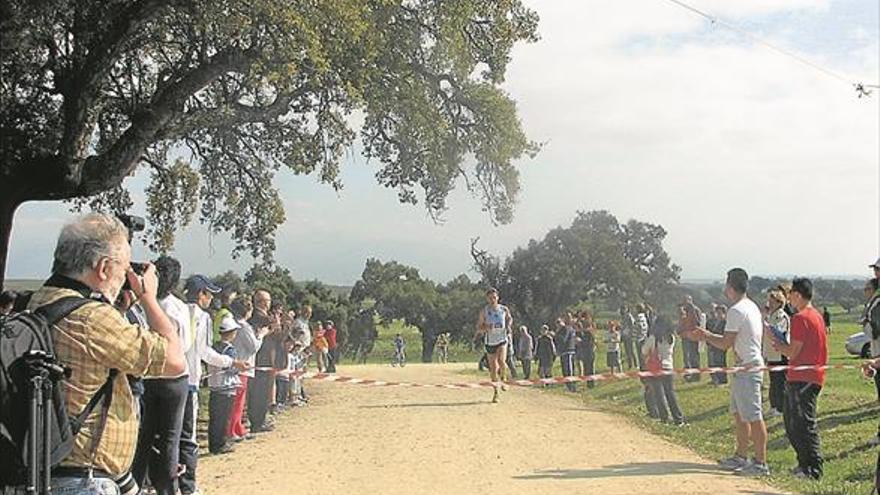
858, 344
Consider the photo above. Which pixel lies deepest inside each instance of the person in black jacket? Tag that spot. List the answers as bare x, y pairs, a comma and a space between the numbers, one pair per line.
545, 352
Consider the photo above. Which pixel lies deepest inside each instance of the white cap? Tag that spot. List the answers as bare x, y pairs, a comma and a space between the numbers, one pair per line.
228, 324
876, 264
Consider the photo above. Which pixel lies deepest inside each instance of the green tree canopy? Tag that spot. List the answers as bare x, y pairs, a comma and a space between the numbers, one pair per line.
596, 257
216, 97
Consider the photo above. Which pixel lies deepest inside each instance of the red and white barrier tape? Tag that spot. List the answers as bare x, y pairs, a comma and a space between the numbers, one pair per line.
554, 380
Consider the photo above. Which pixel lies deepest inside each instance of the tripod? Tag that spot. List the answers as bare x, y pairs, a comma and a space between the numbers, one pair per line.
43, 373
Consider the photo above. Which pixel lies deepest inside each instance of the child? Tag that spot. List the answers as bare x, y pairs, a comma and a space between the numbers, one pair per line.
296, 365
612, 339
545, 351
282, 380
224, 383
443, 348
322, 347
399, 351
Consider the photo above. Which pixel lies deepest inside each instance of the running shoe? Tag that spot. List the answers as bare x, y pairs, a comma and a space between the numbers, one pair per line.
734, 462
753, 468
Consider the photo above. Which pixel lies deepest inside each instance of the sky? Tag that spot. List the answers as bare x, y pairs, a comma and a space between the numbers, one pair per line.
745, 156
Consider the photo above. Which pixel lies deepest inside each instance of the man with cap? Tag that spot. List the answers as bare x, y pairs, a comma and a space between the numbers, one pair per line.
224, 383
199, 292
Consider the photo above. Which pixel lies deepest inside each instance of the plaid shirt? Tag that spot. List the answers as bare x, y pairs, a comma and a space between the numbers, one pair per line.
92, 340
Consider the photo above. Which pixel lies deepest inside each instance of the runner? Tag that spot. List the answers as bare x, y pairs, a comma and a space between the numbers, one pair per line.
493, 324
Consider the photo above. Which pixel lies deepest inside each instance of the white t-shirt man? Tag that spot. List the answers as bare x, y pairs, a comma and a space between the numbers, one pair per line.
179, 314
744, 319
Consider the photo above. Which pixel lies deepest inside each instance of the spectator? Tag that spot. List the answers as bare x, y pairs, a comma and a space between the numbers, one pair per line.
612, 342
319, 341
545, 351
718, 357
164, 400
7, 302
199, 291
743, 332
301, 326
585, 345
871, 326
510, 359
443, 348
298, 364
568, 345
641, 334
826, 318
282, 380
524, 348
627, 337
659, 349
223, 383
247, 341
332, 346
690, 319
779, 324
399, 351
92, 259
808, 346
260, 387
227, 296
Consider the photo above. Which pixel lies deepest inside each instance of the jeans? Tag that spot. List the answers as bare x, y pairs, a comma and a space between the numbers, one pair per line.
801, 425
664, 397
567, 360
691, 358
219, 407
259, 388
189, 446
158, 447
718, 359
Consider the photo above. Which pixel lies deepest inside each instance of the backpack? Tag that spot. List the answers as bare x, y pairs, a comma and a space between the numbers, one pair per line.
26, 347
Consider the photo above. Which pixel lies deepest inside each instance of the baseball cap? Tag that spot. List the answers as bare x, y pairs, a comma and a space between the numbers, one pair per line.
876, 264
201, 282
228, 324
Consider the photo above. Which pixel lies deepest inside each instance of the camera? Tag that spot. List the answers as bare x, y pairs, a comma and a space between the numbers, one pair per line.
133, 223
137, 267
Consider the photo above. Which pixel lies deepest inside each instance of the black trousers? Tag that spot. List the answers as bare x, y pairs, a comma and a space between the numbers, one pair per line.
691, 358
545, 368
665, 399
332, 358
158, 447
718, 359
189, 445
801, 425
527, 368
588, 365
777, 387
219, 408
259, 389
567, 360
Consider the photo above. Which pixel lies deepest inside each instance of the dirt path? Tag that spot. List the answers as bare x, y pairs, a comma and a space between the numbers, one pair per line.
361, 440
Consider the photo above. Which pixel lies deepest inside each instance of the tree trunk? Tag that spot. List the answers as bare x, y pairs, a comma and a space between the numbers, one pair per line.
8, 205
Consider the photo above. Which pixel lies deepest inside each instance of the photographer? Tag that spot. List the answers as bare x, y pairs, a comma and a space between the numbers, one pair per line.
92, 259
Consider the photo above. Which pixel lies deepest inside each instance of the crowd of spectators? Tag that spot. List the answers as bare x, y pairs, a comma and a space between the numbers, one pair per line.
168, 347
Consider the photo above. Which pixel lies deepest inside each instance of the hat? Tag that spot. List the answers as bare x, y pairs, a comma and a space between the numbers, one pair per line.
201, 282
876, 264
228, 324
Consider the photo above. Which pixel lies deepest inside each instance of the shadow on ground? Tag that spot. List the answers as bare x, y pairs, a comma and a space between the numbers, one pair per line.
624, 470
427, 404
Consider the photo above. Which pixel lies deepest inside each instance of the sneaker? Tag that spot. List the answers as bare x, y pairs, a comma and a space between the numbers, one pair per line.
236, 438
773, 413
734, 462
753, 468
682, 424
495, 396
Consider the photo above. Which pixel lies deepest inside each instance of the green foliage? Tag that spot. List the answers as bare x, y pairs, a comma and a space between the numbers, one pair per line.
217, 97
595, 258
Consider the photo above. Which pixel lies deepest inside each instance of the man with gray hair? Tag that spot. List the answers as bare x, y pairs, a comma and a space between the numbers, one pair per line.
92, 260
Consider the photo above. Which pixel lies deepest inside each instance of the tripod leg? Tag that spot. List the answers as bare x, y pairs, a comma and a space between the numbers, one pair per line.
46, 486
36, 395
